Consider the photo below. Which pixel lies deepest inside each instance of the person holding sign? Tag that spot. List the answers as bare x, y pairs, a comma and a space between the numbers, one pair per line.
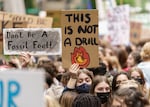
80, 81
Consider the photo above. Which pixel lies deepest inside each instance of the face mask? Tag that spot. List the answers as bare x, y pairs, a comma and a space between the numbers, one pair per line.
84, 88
139, 80
103, 97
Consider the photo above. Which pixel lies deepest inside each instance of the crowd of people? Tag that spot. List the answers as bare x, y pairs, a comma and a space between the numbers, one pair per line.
122, 78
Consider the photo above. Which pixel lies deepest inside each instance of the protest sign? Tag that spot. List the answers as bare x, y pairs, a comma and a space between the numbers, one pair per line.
21, 88
9, 20
37, 41
26, 18
80, 38
135, 32
11, 24
119, 25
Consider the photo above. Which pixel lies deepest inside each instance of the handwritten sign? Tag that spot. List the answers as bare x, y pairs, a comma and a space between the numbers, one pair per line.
19, 88
27, 18
11, 24
37, 41
119, 25
80, 38
9, 20
135, 32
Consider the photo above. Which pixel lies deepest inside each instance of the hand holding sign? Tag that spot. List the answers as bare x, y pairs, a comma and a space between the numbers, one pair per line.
74, 68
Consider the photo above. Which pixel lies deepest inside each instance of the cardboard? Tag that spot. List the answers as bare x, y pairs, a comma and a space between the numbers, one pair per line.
27, 18
36, 41
135, 32
9, 20
10, 24
21, 88
80, 38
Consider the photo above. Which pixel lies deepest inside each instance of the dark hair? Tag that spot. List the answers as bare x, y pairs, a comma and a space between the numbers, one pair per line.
48, 79
100, 70
122, 56
114, 81
136, 56
49, 67
86, 100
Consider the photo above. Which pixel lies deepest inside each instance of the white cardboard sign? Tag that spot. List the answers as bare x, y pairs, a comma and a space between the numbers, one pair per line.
36, 41
21, 88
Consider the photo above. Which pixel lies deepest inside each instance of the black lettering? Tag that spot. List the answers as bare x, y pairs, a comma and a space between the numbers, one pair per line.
84, 41
76, 18
4, 23
82, 17
95, 41
9, 44
88, 18
87, 29
80, 29
68, 17
67, 41
68, 30
8, 34
44, 33
78, 41
34, 44
95, 28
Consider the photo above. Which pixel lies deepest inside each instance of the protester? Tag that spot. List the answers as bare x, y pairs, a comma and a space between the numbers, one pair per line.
138, 76
145, 64
80, 80
118, 78
113, 65
133, 59
67, 98
55, 89
101, 88
122, 55
129, 97
86, 100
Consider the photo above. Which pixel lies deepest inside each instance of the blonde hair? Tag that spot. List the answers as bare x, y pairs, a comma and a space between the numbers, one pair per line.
67, 98
145, 52
51, 102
